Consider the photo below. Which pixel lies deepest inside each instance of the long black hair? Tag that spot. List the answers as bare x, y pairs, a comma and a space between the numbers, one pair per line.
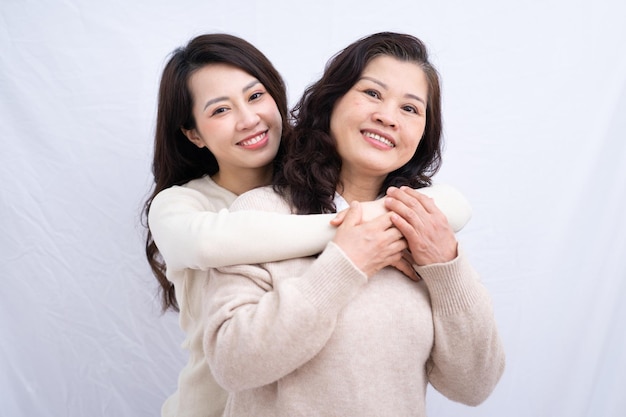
176, 160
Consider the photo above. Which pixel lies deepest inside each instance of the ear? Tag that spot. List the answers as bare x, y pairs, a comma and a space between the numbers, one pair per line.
193, 137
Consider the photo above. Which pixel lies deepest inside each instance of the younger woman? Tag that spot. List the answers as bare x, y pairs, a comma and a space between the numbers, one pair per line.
222, 111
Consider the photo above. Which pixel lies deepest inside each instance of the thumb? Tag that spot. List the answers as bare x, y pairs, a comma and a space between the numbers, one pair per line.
339, 218
354, 214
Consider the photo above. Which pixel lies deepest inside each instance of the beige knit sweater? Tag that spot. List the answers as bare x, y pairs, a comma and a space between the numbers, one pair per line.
313, 337
195, 232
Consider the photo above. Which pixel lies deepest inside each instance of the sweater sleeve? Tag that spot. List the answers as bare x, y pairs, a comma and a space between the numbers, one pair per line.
191, 233
467, 359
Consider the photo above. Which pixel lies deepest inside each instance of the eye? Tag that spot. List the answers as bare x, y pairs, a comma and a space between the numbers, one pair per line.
410, 109
372, 93
415, 109
256, 96
219, 110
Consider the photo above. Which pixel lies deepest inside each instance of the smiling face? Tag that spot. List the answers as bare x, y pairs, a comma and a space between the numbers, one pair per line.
236, 119
379, 122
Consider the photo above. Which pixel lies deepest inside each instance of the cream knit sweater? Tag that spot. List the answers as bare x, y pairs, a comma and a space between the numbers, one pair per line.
313, 337
195, 232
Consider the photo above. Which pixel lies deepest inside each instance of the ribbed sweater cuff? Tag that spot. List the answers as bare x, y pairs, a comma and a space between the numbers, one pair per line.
332, 281
453, 286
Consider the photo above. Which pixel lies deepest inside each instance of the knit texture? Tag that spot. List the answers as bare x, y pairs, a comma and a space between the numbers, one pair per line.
313, 337
194, 232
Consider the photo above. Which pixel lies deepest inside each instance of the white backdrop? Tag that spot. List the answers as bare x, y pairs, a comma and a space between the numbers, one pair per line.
535, 127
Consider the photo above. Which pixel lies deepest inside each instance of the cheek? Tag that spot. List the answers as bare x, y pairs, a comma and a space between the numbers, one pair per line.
207, 130
416, 133
342, 119
274, 116
342, 110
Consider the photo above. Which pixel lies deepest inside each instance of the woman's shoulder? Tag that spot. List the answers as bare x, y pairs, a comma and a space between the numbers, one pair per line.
201, 191
203, 185
262, 198
206, 186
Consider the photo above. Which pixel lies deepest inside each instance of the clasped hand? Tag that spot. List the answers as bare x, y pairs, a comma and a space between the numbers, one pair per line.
400, 230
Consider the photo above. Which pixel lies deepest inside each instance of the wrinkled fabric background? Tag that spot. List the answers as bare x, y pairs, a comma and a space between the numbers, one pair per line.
534, 98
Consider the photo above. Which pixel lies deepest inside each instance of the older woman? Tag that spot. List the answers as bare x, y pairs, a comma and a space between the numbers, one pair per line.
342, 333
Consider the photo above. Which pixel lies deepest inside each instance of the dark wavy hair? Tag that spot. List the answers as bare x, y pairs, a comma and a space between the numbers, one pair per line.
176, 160
311, 166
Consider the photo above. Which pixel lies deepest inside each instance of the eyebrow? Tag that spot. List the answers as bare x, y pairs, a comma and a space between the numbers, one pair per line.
386, 87
243, 90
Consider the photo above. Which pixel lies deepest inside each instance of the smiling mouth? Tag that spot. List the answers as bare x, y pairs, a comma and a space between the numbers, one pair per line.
254, 140
380, 139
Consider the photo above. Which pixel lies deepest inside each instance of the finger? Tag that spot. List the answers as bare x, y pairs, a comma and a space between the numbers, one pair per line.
382, 222
354, 214
432, 213
453, 204
407, 230
408, 196
415, 215
392, 249
402, 266
407, 269
397, 245
421, 195
408, 257
418, 200
339, 218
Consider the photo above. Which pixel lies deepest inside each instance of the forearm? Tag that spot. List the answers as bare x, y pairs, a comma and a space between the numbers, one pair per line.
191, 235
468, 357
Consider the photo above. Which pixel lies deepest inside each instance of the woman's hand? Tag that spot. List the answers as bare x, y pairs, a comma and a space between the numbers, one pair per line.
405, 265
371, 245
371, 210
429, 236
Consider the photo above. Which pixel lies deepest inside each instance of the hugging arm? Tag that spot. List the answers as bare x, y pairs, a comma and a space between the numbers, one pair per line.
191, 233
449, 201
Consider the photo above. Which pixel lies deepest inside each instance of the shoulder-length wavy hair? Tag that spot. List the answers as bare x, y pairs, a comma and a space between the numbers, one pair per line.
176, 160
311, 166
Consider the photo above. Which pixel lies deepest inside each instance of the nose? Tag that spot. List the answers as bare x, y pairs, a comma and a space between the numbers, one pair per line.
385, 116
248, 119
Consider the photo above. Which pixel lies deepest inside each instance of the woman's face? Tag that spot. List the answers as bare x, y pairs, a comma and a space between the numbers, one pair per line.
236, 118
379, 122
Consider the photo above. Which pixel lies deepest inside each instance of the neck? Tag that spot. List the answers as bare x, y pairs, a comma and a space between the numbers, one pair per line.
359, 188
242, 180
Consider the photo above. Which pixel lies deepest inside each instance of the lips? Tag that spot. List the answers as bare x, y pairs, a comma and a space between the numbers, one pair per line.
379, 138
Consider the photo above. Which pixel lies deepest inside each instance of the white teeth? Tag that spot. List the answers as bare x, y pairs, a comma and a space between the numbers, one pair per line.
380, 139
253, 140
